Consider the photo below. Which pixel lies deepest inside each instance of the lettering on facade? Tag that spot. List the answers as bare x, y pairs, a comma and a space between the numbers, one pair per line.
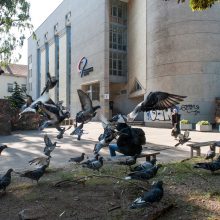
190, 109
159, 115
82, 67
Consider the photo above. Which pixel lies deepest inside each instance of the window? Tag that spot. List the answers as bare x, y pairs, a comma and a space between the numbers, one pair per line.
23, 87
10, 87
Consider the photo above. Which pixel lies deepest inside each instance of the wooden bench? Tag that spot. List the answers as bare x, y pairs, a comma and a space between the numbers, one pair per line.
149, 155
197, 147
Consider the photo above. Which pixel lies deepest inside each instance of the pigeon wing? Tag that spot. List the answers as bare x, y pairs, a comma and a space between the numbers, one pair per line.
85, 100
161, 100
47, 141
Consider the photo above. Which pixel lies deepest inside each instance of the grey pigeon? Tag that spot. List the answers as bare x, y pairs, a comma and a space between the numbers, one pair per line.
211, 153
156, 101
145, 174
155, 194
183, 138
51, 83
77, 159
91, 160
62, 131
88, 111
129, 161
95, 165
41, 161
2, 148
5, 180
35, 174
145, 166
78, 131
49, 145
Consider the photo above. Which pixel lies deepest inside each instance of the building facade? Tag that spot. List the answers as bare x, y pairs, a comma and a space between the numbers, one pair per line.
119, 50
11, 74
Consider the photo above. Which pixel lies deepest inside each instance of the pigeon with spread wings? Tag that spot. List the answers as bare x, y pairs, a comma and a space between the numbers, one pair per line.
88, 111
156, 101
51, 83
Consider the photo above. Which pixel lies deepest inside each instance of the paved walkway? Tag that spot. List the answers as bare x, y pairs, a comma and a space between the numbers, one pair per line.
26, 145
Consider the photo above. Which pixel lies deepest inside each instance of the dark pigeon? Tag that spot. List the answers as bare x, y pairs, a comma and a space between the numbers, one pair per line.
211, 153
155, 194
88, 111
62, 131
35, 174
129, 161
145, 174
145, 166
156, 101
91, 160
49, 145
212, 166
78, 131
2, 148
5, 180
77, 159
51, 83
95, 165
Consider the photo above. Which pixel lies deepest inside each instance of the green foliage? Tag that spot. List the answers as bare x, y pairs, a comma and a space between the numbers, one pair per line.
184, 121
198, 5
17, 97
14, 17
203, 123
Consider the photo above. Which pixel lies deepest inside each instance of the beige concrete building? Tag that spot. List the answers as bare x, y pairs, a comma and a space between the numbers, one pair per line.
119, 50
11, 74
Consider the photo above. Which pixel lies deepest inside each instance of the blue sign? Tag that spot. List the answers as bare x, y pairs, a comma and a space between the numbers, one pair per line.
82, 67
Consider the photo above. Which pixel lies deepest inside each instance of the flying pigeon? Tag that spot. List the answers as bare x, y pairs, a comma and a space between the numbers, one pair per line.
62, 131
145, 174
35, 174
41, 161
183, 138
78, 131
2, 148
156, 101
5, 180
51, 83
212, 166
88, 111
49, 145
95, 165
145, 166
155, 194
211, 153
77, 159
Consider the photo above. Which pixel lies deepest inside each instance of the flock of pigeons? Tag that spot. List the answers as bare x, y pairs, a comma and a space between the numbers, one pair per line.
56, 113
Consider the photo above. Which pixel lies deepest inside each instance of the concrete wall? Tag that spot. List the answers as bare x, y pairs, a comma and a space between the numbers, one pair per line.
183, 55
5, 79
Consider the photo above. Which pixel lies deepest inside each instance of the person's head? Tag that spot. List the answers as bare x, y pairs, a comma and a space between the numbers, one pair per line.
174, 111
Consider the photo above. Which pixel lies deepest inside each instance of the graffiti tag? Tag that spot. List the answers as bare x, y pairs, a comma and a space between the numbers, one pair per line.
159, 115
190, 109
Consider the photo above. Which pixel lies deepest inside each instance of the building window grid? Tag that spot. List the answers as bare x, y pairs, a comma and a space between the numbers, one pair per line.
117, 64
10, 87
118, 12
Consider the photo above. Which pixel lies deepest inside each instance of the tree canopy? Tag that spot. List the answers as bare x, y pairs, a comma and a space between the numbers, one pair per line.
14, 18
197, 5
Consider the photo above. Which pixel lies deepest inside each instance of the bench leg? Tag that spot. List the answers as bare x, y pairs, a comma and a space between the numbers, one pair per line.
147, 158
191, 153
198, 152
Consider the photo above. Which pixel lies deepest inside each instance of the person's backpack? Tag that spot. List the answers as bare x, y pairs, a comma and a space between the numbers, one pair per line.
138, 136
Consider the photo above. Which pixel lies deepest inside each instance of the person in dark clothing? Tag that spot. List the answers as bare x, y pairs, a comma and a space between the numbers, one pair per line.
130, 140
175, 123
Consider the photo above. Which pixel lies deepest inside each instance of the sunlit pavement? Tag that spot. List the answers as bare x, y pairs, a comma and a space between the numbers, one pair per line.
26, 145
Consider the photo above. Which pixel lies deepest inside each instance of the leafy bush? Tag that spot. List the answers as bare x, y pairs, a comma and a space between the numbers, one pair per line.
203, 123
185, 122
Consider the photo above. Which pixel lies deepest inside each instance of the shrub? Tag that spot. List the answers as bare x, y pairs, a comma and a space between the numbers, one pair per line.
184, 121
203, 123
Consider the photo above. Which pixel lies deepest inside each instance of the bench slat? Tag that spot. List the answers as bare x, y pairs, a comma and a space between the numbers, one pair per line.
201, 144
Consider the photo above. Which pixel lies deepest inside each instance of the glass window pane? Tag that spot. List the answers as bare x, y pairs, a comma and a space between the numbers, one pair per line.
120, 12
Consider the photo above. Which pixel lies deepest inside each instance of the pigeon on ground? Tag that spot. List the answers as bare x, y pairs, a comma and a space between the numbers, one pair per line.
78, 131
129, 160
5, 180
95, 165
2, 148
211, 153
212, 166
145, 166
41, 161
77, 159
35, 174
156, 101
62, 131
88, 111
49, 145
91, 160
145, 174
155, 194
183, 138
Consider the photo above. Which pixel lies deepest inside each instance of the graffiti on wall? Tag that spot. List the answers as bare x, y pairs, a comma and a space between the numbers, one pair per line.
159, 115
190, 109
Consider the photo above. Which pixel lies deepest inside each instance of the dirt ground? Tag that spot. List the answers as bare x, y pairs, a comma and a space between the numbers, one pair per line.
194, 194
